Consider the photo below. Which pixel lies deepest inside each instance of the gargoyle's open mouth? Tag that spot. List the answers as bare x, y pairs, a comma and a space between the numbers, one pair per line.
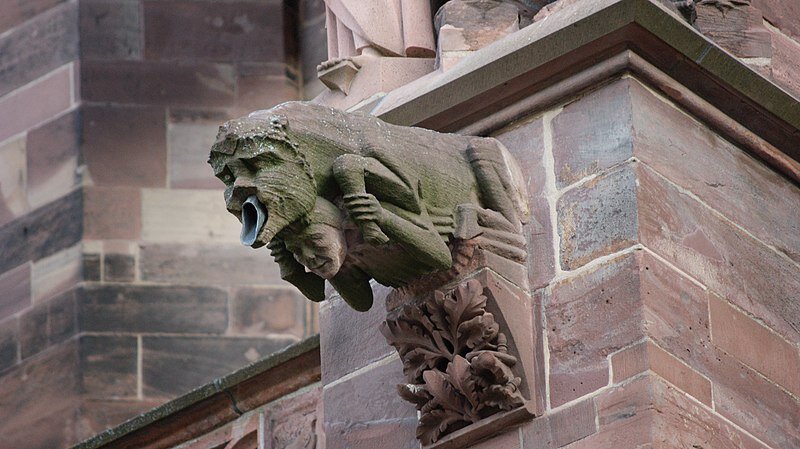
254, 215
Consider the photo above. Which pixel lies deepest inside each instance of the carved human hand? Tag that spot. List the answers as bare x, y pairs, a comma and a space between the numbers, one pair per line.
309, 284
367, 212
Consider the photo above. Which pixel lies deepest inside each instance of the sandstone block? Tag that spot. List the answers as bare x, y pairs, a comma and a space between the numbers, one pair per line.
33, 331
13, 195
108, 365
91, 267
15, 290
783, 15
592, 134
97, 415
598, 218
119, 267
259, 87
757, 346
43, 232
295, 422
51, 94
52, 159
187, 216
346, 348
188, 144
172, 309
175, 365
227, 36
37, 47
19, 12
56, 273
786, 59
562, 427
111, 29
9, 338
263, 311
112, 213
578, 311
725, 177
526, 143
207, 264
113, 161
722, 257
507, 440
158, 83
738, 29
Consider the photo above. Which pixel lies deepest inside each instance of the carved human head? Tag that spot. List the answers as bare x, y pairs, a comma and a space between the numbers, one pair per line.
318, 240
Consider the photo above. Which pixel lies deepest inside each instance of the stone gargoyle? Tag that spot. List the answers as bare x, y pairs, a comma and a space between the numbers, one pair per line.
346, 197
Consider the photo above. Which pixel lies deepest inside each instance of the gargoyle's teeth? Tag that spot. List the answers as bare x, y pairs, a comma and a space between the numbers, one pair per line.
254, 215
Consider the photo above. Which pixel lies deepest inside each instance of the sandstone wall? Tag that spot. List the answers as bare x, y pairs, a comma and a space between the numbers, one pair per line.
122, 283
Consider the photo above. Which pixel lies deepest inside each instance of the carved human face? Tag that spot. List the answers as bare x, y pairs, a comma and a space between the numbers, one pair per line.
319, 247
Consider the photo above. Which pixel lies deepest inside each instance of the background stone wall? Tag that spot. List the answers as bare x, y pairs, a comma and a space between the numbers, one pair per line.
122, 283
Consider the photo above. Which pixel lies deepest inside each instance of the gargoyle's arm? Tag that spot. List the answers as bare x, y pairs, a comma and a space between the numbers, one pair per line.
292, 271
424, 244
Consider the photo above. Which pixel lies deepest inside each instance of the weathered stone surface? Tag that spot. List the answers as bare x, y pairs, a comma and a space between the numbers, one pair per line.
783, 15
97, 415
111, 29
33, 331
562, 427
51, 94
592, 134
124, 162
737, 27
56, 273
109, 366
294, 422
173, 309
757, 346
258, 86
188, 216
15, 290
188, 143
786, 60
9, 338
175, 365
347, 348
184, 30
158, 83
728, 261
598, 218
578, 311
41, 398
731, 181
13, 195
507, 440
526, 143
39, 46
119, 267
91, 267
365, 411
17, 12
208, 264
268, 310
647, 356
62, 317
52, 159
43, 232
112, 213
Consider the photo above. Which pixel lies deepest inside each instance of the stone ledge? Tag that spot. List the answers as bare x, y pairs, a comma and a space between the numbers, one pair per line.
218, 402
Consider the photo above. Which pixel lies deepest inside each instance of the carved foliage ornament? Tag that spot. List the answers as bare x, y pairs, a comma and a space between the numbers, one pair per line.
455, 359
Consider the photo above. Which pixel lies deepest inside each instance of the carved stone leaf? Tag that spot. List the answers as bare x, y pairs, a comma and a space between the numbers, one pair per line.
502, 391
462, 379
467, 302
478, 331
434, 423
416, 394
418, 360
442, 391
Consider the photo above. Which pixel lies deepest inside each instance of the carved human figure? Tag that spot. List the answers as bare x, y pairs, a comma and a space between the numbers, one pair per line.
379, 28
348, 198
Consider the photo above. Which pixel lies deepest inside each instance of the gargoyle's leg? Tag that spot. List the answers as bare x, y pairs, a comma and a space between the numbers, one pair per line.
486, 157
353, 173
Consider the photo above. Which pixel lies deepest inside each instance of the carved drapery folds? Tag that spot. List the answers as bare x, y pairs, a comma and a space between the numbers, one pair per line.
456, 360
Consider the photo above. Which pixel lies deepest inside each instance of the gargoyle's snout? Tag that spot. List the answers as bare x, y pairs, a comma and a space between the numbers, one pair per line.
254, 215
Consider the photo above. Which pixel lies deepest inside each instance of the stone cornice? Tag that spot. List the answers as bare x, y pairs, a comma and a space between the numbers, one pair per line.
582, 45
218, 402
